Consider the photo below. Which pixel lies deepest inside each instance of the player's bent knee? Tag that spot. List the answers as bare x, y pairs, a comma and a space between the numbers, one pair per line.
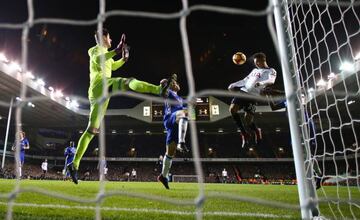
127, 83
93, 130
171, 149
182, 114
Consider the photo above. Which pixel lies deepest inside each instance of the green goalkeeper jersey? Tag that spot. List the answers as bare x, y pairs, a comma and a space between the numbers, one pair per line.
96, 71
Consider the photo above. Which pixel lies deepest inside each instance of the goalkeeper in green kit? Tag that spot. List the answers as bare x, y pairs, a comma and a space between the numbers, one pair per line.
97, 72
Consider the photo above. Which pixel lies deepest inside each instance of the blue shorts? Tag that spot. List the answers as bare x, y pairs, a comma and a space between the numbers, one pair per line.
22, 158
69, 160
171, 129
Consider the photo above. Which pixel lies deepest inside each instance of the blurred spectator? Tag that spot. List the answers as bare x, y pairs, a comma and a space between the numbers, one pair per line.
133, 175
224, 175
44, 168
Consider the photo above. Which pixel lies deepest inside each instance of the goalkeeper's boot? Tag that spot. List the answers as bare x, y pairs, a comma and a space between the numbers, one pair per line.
73, 172
182, 148
258, 135
164, 181
244, 139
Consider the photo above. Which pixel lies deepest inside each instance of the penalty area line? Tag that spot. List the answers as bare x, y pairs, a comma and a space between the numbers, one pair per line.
145, 210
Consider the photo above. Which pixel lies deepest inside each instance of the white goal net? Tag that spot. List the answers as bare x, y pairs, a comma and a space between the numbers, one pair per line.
322, 44
318, 44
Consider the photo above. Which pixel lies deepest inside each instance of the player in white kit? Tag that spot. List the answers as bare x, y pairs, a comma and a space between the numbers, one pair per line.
253, 84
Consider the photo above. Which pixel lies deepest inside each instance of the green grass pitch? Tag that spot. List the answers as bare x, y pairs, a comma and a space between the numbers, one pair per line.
33, 205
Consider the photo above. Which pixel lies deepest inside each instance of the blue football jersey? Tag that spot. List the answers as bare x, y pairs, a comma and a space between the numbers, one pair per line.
171, 108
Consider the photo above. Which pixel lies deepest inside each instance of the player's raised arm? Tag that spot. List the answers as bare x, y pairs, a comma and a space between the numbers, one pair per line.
96, 53
125, 56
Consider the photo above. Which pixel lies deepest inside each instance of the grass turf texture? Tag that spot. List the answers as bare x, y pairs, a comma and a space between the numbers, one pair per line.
29, 205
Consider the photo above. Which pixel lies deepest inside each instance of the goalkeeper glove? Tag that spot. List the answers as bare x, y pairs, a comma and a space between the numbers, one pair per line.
125, 52
119, 48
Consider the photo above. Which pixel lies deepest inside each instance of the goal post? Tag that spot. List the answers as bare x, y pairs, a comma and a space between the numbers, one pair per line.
317, 43
290, 90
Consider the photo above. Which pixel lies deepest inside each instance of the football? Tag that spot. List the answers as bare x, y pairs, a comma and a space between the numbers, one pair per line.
239, 58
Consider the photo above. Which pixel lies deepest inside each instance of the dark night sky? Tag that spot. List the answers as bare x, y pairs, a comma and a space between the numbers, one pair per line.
61, 57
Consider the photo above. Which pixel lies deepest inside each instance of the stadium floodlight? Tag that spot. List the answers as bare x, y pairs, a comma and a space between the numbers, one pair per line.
131, 131
351, 102
357, 57
30, 104
59, 94
113, 132
14, 66
29, 75
332, 76
347, 67
311, 92
74, 104
321, 83
81, 131
202, 130
277, 130
281, 149
221, 130
251, 149
3, 58
40, 82
148, 132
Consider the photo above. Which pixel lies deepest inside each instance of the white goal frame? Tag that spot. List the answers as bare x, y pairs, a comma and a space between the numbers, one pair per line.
174, 177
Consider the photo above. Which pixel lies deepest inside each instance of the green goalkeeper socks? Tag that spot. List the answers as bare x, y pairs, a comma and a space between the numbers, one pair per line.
144, 87
83, 144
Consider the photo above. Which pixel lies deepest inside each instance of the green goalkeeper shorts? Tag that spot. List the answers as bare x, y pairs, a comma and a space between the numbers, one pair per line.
99, 106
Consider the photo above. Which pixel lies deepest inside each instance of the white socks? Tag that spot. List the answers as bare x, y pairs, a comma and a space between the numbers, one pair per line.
167, 161
183, 122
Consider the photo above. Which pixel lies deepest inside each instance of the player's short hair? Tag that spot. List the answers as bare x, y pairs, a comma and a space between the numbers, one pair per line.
105, 32
260, 56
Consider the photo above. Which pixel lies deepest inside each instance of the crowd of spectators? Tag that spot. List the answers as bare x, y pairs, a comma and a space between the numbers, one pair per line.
237, 173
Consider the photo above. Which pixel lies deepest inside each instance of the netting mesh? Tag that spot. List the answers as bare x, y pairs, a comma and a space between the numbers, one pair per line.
317, 53
324, 42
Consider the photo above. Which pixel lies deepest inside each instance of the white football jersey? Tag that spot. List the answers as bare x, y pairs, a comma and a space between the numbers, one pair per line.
44, 166
260, 76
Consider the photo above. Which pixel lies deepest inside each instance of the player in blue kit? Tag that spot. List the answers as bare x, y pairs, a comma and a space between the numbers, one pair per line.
24, 145
175, 123
69, 154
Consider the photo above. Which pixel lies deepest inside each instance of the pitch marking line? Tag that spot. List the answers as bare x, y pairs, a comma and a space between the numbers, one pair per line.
162, 211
